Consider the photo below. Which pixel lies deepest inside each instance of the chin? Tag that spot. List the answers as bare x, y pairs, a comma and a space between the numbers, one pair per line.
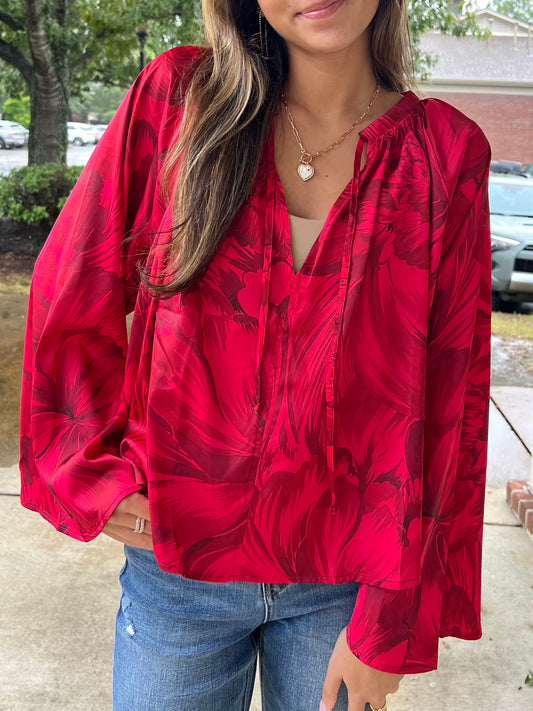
324, 46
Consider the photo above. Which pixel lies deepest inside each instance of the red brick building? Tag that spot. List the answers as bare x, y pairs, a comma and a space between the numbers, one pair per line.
491, 81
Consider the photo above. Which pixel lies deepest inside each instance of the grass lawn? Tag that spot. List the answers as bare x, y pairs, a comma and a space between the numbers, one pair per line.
512, 325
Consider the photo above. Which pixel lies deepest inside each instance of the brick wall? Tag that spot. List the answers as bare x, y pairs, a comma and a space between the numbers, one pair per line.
506, 120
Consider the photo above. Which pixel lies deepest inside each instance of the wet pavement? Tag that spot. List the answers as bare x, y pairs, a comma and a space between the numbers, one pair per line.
512, 360
18, 157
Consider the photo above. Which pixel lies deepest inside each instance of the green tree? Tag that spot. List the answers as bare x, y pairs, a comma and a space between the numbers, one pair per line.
98, 103
17, 109
518, 9
57, 46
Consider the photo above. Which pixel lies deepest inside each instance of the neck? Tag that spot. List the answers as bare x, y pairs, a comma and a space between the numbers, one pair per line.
332, 84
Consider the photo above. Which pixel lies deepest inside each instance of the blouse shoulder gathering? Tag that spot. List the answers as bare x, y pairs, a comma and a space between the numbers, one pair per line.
442, 117
456, 144
444, 148
453, 148
435, 120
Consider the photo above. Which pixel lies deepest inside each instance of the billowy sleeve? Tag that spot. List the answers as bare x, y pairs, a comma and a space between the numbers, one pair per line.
85, 282
398, 631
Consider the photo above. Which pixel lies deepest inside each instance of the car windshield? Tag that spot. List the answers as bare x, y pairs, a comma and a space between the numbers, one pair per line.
511, 199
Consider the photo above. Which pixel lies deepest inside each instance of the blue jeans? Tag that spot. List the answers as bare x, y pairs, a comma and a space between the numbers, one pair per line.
185, 645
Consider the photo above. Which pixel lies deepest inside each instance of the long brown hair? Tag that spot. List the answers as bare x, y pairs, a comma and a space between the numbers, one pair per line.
229, 106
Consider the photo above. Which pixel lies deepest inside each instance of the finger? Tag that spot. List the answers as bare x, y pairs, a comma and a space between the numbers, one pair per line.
330, 690
128, 521
131, 508
397, 683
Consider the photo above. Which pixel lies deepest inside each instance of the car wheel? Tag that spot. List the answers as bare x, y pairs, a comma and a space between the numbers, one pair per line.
496, 301
77, 141
503, 305
2, 144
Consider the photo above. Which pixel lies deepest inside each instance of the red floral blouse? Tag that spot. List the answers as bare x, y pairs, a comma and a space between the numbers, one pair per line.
323, 426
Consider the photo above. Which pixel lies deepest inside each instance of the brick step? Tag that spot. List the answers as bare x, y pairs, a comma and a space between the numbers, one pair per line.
520, 499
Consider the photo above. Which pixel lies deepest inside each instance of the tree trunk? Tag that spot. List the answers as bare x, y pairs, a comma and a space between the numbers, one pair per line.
48, 94
47, 139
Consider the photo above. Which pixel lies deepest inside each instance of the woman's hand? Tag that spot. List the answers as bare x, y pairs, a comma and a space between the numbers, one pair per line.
121, 523
363, 683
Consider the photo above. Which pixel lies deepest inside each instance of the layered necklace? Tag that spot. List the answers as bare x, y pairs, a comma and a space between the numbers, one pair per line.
305, 170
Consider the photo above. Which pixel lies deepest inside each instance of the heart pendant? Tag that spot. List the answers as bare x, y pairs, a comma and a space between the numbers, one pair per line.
305, 171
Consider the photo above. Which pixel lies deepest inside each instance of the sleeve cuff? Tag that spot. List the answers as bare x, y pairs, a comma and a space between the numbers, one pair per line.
389, 631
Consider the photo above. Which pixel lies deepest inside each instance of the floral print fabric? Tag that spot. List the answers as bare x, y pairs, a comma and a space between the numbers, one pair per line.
326, 426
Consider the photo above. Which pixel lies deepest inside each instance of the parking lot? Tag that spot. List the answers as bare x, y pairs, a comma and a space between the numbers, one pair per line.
18, 157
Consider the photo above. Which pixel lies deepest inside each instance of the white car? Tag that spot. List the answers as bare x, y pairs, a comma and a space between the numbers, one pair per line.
80, 134
12, 134
100, 128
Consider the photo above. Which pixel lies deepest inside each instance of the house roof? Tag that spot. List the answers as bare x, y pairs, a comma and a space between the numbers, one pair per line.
506, 57
495, 59
502, 24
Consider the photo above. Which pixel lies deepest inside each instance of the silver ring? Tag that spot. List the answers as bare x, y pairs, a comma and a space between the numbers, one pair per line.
383, 708
139, 525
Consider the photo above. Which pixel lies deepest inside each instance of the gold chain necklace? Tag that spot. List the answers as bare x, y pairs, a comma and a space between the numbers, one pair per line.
305, 169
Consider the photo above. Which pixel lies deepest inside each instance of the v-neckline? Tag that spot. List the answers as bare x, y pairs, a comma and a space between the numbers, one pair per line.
310, 258
333, 211
379, 126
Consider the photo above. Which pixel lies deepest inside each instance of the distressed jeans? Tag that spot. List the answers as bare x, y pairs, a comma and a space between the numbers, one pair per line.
187, 645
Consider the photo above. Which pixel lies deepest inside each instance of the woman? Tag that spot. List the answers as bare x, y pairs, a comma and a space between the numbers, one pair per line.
298, 425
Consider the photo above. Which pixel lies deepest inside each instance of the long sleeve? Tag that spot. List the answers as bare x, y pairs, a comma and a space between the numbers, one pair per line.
84, 284
397, 631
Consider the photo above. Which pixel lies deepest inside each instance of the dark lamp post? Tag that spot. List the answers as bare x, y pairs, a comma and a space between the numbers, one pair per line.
142, 36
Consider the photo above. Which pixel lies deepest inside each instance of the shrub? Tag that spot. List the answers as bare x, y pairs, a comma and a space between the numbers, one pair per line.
35, 194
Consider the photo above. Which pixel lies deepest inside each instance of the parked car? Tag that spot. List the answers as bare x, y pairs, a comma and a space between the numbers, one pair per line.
93, 131
511, 167
506, 166
100, 128
80, 134
12, 134
511, 226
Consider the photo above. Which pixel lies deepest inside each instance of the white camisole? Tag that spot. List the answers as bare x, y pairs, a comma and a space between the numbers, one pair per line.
304, 233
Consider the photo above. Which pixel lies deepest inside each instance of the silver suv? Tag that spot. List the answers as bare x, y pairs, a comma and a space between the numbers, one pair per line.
511, 222
12, 135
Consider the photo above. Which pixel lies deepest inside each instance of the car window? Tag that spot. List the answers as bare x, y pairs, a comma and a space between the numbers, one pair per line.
511, 199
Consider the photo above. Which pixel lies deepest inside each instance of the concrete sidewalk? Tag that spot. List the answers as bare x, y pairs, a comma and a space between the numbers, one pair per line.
60, 597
